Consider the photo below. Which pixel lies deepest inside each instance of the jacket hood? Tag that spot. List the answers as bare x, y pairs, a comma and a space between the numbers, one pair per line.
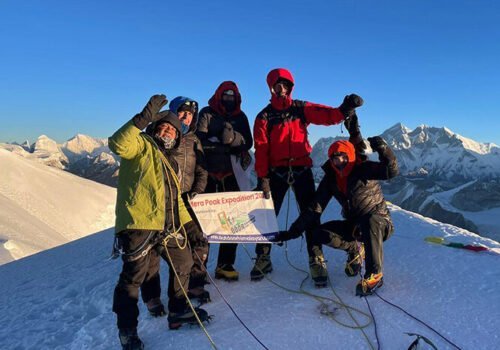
215, 101
172, 119
280, 103
347, 148
177, 102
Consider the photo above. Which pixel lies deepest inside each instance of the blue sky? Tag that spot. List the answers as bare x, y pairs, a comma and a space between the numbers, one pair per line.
86, 67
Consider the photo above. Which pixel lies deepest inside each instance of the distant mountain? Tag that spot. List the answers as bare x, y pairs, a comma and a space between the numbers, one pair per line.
442, 154
81, 155
444, 175
49, 152
82, 146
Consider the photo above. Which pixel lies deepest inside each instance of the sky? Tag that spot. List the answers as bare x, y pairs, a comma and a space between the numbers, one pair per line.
87, 67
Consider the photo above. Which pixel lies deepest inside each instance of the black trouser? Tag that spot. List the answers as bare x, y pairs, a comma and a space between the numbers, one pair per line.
373, 229
198, 276
303, 187
144, 273
227, 251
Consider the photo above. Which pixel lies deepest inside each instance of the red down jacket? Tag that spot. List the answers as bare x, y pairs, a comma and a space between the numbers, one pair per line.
280, 129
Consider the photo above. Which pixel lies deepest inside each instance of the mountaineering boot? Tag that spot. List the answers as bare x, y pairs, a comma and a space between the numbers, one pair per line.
319, 274
354, 261
226, 272
156, 308
176, 320
262, 266
200, 294
368, 285
129, 339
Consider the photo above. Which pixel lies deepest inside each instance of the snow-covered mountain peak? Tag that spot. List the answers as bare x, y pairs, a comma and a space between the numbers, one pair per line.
81, 145
45, 144
48, 152
104, 157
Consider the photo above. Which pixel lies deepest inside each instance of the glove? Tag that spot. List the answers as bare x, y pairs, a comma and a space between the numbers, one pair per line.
282, 236
352, 125
192, 194
263, 184
150, 113
377, 143
196, 237
350, 103
227, 134
246, 160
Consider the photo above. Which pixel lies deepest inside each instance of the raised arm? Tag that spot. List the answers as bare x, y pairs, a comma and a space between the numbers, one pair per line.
387, 167
126, 142
326, 115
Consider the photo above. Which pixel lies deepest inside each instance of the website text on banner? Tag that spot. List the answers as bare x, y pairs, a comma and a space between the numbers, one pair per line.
236, 217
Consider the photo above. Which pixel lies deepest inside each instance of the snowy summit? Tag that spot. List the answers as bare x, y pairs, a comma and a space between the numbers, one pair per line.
61, 298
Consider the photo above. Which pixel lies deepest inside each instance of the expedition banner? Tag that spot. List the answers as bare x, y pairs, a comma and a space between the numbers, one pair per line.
236, 217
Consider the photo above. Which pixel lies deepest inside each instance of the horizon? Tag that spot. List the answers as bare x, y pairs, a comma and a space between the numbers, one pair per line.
313, 139
89, 67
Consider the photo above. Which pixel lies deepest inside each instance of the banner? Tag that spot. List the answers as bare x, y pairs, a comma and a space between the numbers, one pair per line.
235, 217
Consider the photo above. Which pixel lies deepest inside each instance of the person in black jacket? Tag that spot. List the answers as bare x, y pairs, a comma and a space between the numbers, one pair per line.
352, 180
193, 178
224, 131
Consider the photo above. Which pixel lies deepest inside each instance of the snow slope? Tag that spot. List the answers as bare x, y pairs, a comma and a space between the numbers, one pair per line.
61, 298
43, 207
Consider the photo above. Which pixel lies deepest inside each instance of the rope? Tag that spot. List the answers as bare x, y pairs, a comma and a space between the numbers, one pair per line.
340, 302
227, 303
212, 343
318, 298
181, 246
374, 323
416, 319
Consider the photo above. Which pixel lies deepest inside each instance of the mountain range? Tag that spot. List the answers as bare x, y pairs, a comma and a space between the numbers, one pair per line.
443, 175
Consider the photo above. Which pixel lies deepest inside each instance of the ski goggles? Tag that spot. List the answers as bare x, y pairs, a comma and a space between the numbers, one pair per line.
191, 106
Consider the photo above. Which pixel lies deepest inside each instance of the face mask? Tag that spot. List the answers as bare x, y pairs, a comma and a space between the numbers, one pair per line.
166, 141
184, 128
229, 106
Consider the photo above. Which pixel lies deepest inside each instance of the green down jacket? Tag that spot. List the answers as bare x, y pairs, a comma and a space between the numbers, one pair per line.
140, 202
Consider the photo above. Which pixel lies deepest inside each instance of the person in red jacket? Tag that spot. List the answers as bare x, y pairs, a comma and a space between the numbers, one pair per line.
282, 155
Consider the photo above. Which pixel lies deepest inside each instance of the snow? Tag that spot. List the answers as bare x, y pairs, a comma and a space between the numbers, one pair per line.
485, 220
81, 145
43, 207
442, 152
61, 298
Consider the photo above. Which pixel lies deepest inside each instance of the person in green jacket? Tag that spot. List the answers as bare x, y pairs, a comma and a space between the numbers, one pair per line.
150, 220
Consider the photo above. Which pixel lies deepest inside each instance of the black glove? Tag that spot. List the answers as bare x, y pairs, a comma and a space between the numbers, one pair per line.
350, 103
263, 184
227, 134
195, 236
192, 194
377, 143
150, 113
352, 125
282, 236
